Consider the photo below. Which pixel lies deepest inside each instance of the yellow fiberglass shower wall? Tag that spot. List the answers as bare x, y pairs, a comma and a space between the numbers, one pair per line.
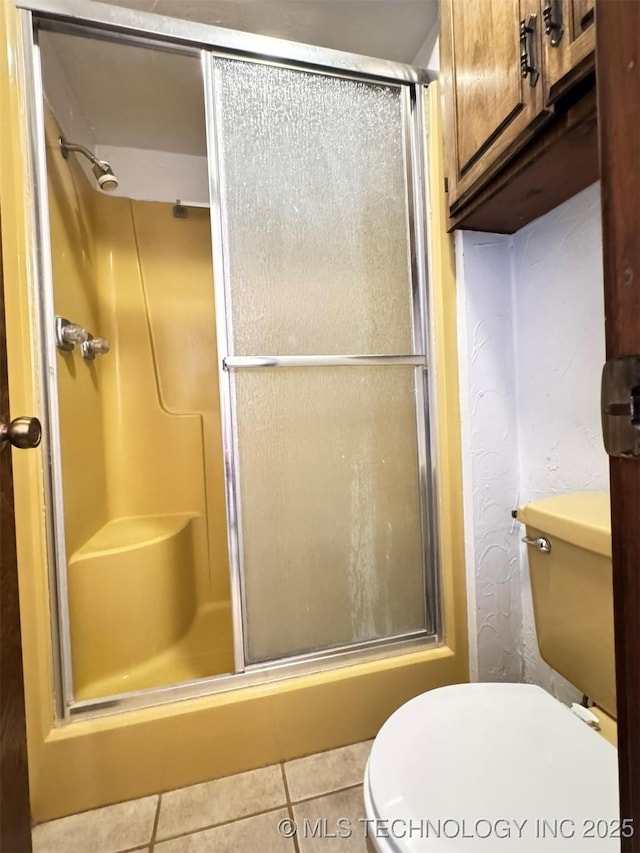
91, 762
145, 527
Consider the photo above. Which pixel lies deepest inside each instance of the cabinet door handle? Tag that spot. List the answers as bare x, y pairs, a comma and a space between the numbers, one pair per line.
552, 16
528, 64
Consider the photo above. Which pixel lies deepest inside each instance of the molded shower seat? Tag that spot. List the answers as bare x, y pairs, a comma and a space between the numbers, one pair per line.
131, 593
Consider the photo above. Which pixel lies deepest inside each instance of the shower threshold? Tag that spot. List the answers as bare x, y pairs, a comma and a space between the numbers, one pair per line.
259, 674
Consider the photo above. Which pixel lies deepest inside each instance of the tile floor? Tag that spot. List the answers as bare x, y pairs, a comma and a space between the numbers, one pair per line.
238, 814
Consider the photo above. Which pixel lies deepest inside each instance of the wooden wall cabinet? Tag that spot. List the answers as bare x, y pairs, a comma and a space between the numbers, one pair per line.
572, 57
513, 75
490, 106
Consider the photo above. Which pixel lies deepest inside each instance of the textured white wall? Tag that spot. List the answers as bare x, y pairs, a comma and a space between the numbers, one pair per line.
559, 313
490, 456
531, 337
559, 352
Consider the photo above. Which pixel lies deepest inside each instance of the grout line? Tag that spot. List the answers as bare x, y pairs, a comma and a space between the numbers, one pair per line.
309, 755
154, 829
327, 793
288, 805
285, 783
296, 844
138, 849
218, 825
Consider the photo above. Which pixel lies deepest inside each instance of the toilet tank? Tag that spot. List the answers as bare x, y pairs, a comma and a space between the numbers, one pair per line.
572, 590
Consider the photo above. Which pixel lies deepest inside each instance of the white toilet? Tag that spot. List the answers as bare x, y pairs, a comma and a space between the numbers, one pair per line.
493, 767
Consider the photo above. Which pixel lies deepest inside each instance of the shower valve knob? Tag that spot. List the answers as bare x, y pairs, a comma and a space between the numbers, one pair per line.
73, 334
69, 334
94, 347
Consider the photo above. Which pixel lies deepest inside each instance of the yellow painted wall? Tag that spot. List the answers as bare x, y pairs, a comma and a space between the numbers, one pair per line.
87, 764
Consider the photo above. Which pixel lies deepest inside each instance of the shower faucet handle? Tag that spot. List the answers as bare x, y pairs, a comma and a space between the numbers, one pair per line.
93, 347
69, 334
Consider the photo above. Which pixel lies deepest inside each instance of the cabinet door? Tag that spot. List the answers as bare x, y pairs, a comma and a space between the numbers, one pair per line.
491, 110
569, 44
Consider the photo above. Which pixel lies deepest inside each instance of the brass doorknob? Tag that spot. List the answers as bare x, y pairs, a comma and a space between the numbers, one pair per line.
22, 432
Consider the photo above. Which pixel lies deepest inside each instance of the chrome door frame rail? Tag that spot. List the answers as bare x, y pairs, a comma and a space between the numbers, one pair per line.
426, 401
226, 388
253, 361
129, 22
43, 314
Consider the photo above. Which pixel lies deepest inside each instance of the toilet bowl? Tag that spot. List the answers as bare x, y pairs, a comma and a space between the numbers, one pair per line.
490, 767
507, 767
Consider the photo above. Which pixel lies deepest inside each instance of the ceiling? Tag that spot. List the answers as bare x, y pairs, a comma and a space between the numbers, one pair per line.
387, 29
130, 97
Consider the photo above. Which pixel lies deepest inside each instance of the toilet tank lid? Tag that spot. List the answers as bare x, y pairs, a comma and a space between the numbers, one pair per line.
581, 518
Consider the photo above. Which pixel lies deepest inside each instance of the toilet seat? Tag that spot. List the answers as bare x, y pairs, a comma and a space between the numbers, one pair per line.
456, 766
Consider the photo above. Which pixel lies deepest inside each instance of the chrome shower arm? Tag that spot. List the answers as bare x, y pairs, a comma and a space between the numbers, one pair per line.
66, 147
102, 170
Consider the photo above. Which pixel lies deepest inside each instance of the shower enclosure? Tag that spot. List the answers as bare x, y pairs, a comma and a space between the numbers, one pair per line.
240, 486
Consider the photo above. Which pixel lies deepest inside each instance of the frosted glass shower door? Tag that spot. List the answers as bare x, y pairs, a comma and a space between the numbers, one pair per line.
323, 356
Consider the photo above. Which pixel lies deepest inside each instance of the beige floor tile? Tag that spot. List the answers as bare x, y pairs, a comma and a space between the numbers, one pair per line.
221, 800
107, 830
332, 824
252, 835
327, 771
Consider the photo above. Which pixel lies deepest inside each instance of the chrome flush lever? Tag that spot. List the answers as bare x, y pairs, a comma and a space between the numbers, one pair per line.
542, 544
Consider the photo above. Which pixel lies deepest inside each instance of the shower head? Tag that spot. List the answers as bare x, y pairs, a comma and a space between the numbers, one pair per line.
107, 181
102, 170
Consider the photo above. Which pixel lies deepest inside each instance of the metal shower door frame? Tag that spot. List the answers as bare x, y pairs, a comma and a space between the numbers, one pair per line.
101, 21
413, 142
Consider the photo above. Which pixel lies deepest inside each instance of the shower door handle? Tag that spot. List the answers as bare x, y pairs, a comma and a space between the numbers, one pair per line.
22, 433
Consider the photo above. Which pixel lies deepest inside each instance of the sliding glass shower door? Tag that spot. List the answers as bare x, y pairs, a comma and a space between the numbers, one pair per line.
312, 163
323, 366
